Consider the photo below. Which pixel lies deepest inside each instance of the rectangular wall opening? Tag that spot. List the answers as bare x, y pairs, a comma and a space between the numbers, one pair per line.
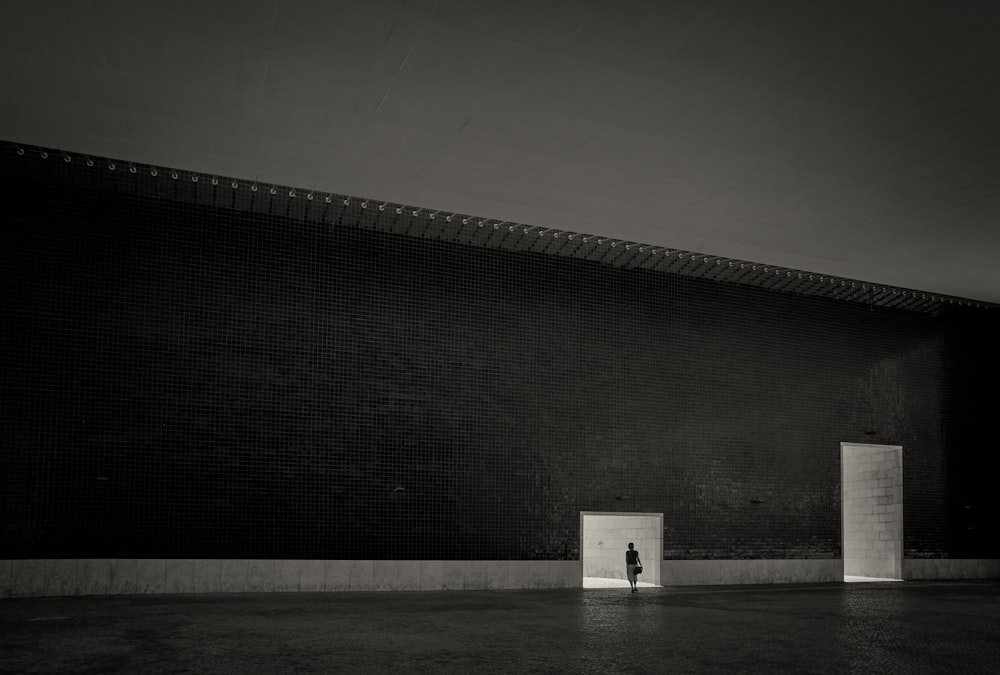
872, 511
604, 538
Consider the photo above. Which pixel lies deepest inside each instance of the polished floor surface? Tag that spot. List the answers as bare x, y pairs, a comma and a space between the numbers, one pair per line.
911, 627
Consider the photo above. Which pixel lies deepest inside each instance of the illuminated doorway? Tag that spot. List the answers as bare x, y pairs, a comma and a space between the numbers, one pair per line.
604, 538
872, 511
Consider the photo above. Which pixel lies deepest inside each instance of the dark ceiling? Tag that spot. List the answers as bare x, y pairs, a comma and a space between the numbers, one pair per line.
859, 139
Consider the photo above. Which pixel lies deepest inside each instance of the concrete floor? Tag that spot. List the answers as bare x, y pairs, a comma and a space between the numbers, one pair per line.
913, 627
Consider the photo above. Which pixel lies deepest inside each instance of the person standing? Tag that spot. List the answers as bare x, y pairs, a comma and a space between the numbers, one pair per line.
631, 560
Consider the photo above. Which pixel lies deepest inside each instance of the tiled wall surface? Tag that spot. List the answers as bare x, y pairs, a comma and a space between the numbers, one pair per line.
36, 578
184, 381
873, 511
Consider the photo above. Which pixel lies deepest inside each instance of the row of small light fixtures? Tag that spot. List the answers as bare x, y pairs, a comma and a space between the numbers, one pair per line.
585, 238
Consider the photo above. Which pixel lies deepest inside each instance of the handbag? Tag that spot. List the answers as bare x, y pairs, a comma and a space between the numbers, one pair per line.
638, 568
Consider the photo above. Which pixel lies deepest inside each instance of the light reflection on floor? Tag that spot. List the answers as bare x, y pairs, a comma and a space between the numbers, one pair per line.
598, 582
856, 580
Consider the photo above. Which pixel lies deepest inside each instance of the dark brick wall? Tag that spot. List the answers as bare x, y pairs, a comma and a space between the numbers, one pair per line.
189, 381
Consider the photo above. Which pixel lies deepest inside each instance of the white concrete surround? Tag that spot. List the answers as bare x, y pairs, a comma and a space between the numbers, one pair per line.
872, 510
712, 572
915, 569
36, 578
606, 536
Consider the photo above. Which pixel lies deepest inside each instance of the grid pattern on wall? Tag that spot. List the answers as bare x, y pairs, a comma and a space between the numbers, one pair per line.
190, 187
192, 380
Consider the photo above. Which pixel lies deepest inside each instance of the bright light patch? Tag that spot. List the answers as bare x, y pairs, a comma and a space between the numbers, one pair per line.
599, 582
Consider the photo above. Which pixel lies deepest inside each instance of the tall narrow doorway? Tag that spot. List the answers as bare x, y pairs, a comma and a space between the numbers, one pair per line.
872, 511
604, 538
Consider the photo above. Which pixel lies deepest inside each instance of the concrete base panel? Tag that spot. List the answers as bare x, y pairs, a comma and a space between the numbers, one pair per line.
950, 568
55, 577
58, 577
27, 579
711, 572
312, 576
93, 576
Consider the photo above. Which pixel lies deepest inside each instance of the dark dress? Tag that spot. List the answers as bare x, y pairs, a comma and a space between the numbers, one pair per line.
631, 560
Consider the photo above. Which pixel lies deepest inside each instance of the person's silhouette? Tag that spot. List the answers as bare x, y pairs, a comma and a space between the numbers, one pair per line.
631, 560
